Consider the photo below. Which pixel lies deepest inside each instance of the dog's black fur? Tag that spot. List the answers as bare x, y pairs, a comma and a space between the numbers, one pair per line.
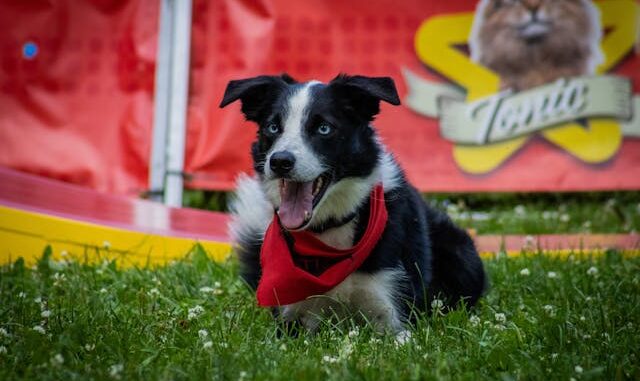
438, 258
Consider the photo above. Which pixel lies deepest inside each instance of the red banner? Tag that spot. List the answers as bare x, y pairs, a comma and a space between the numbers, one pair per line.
480, 112
76, 90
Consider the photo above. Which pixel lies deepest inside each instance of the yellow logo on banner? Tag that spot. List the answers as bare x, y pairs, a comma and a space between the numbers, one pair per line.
598, 141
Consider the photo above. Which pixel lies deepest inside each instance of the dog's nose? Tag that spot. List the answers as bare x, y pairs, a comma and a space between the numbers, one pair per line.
282, 162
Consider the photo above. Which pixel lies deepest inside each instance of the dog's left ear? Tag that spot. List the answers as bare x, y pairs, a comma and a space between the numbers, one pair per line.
363, 94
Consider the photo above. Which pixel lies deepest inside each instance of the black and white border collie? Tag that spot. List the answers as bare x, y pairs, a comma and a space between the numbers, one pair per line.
318, 139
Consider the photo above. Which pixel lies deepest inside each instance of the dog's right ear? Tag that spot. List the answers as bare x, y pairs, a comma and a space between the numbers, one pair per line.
256, 94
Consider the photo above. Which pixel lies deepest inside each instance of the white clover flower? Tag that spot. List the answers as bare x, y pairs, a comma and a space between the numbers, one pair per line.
403, 337
549, 309
57, 359
499, 327
154, 292
500, 317
3, 350
283, 347
103, 290
474, 320
437, 304
346, 350
588, 299
224, 345
525, 272
207, 344
45, 313
39, 329
520, 210
242, 375
58, 279
529, 240
195, 312
203, 334
564, 217
554, 356
354, 332
4, 332
582, 318
106, 245
547, 215
578, 369
217, 285
89, 347
37, 300
552, 275
329, 359
452, 208
115, 370
593, 271
22, 295
586, 337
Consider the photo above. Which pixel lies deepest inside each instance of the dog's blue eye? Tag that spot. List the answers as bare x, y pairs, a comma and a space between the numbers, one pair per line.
324, 129
273, 128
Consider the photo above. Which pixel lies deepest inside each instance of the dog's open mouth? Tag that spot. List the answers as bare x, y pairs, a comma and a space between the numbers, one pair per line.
297, 200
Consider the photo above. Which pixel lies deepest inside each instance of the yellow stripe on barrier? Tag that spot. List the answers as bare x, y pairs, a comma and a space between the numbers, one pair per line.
26, 234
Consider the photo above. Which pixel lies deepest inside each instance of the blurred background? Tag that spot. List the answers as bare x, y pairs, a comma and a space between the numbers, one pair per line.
120, 96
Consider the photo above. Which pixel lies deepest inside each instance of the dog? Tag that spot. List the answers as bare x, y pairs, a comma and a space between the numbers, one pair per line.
318, 162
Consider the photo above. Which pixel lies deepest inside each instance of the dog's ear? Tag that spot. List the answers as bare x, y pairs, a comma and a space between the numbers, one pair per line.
256, 93
364, 94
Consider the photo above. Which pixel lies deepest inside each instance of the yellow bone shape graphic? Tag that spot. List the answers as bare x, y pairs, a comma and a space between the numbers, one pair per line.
435, 43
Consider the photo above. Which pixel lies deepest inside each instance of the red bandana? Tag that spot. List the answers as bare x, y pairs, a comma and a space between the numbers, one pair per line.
285, 282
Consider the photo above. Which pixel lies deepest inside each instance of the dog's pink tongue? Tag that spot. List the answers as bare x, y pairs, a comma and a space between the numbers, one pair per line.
295, 200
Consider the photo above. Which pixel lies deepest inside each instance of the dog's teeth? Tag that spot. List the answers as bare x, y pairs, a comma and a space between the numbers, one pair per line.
318, 186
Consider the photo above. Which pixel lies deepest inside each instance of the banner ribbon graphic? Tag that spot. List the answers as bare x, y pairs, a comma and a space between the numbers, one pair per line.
506, 115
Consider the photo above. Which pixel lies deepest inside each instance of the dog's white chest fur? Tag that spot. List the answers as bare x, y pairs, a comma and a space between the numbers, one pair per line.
369, 296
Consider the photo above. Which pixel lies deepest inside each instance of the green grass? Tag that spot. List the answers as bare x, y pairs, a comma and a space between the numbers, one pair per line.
105, 323
513, 213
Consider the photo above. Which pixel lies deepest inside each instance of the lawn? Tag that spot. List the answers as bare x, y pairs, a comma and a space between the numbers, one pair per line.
543, 318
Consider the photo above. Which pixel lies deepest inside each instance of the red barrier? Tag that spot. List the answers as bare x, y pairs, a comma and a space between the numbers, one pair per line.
81, 108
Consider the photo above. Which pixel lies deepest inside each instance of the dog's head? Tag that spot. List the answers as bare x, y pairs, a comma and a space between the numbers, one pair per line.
313, 139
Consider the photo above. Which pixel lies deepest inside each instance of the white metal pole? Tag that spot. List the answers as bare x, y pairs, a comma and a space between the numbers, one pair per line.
179, 90
171, 95
158, 161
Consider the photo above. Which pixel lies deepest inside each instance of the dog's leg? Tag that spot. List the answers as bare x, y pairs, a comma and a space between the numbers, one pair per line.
458, 273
